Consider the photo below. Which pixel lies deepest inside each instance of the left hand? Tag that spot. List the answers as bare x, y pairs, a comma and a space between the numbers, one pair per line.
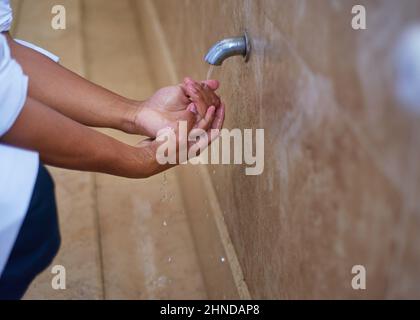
172, 104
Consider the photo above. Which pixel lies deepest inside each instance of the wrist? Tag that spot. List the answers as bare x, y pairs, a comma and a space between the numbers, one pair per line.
120, 159
129, 123
140, 162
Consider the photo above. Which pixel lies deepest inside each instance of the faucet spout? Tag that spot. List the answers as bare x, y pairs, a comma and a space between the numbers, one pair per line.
239, 46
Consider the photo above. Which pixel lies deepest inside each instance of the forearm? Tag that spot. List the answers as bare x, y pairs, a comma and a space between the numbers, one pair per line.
72, 95
65, 143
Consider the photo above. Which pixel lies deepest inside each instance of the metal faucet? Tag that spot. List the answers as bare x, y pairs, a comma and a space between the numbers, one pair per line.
239, 46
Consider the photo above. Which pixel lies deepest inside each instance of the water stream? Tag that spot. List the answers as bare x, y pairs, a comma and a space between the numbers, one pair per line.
210, 72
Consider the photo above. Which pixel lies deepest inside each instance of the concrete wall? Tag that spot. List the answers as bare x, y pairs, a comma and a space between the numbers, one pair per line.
342, 174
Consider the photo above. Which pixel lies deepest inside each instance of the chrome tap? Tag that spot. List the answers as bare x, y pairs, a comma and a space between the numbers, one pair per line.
239, 46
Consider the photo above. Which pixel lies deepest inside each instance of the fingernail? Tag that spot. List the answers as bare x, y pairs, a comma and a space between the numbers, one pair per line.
192, 108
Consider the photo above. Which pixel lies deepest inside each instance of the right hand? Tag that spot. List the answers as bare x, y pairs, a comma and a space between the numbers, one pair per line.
211, 124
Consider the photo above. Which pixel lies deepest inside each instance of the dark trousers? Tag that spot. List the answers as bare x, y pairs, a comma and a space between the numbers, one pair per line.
37, 243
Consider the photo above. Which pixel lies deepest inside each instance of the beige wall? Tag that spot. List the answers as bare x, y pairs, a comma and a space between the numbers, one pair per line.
342, 177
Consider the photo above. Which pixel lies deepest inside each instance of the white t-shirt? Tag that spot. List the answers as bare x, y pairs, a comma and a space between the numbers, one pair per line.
18, 167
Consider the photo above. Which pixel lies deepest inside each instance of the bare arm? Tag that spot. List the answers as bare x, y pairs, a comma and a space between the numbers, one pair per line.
65, 143
72, 95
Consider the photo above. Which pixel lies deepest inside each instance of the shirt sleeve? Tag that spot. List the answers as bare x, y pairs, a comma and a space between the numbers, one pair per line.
6, 16
13, 87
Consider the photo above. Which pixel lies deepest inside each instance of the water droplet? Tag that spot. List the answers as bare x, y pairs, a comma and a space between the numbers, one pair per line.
170, 259
161, 281
222, 259
164, 223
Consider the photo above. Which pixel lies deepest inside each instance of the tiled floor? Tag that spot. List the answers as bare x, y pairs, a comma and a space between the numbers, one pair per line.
122, 239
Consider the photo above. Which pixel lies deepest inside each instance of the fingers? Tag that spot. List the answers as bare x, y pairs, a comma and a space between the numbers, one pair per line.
219, 117
184, 96
208, 87
213, 117
212, 84
212, 125
214, 131
205, 123
199, 97
190, 118
192, 108
202, 94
